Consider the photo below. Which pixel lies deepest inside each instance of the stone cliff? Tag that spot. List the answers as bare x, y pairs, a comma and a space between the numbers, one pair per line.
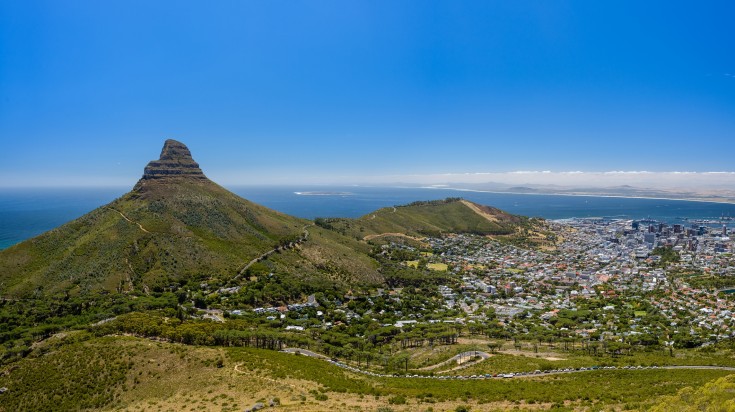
175, 161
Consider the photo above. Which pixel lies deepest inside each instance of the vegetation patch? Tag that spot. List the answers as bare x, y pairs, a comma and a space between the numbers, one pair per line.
437, 266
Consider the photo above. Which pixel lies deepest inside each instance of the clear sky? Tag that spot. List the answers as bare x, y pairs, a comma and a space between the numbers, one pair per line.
349, 91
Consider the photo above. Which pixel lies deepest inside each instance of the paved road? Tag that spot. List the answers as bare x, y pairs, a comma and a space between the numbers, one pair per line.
213, 314
460, 358
500, 375
304, 352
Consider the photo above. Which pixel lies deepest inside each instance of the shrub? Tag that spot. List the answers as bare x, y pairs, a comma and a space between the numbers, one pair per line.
397, 400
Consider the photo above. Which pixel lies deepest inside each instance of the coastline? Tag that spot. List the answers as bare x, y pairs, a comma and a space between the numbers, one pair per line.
20, 221
682, 199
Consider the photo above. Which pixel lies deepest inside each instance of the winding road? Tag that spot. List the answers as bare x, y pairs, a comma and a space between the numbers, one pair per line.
484, 356
305, 352
463, 359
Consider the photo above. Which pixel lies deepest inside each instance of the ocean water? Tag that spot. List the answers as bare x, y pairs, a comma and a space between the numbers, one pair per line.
25, 213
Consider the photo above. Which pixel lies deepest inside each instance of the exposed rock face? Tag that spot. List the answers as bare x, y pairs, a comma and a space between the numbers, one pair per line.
175, 161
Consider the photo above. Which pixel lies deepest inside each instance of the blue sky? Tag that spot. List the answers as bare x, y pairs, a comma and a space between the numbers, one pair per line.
347, 91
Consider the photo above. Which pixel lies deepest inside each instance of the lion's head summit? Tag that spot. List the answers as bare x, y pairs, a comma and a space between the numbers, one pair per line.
175, 161
177, 227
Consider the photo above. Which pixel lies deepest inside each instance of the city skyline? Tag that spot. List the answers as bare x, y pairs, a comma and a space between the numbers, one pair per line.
370, 92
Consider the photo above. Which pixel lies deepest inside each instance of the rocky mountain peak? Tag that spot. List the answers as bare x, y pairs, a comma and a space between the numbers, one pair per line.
175, 161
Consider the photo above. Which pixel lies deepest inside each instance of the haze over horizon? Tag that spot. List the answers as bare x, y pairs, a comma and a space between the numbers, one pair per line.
564, 93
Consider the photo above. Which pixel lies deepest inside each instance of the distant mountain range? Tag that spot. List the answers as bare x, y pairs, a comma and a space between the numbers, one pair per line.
698, 194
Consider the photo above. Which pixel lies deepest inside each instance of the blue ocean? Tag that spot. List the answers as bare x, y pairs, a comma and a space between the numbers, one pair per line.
25, 213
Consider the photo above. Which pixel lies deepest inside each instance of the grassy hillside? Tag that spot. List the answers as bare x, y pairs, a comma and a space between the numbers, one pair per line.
124, 373
147, 240
445, 216
718, 395
331, 256
176, 227
434, 218
165, 233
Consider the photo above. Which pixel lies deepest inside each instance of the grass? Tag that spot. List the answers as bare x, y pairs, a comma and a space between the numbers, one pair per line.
422, 218
66, 380
594, 387
124, 373
426, 356
190, 229
599, 388
529, 362
714, 396
442, 267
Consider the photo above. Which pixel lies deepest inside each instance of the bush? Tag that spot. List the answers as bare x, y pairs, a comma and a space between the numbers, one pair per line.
397, 400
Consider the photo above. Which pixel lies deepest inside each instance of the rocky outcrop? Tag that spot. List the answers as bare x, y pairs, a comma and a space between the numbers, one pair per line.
175, 161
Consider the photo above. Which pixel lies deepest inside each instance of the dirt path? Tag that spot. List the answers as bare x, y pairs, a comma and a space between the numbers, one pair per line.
130, 221
131, 287
463, 360
264, 255
369, 237
551, 356
521, 376
484, 356
479, 211
375, 215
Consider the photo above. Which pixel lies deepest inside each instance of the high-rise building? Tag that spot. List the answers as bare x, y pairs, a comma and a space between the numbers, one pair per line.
649, 238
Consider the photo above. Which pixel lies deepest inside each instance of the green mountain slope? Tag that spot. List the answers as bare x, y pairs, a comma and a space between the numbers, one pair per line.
433, 218
451, 215
174, 225
177, 226
717, 395
79, 372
